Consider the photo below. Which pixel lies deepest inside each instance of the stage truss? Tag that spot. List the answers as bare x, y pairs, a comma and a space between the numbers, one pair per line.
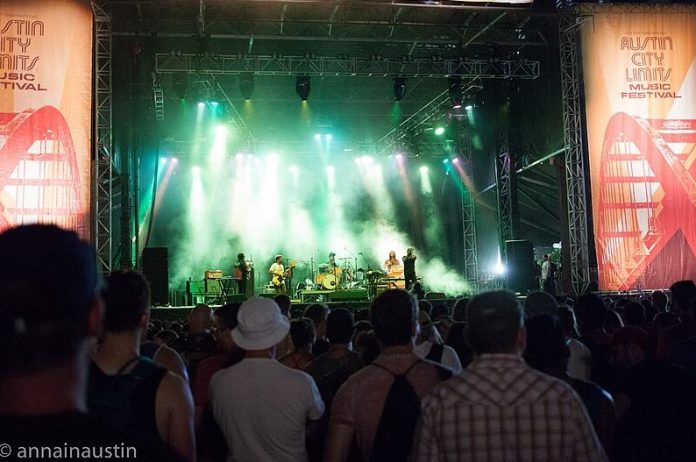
345, 67
578, 244
102, 160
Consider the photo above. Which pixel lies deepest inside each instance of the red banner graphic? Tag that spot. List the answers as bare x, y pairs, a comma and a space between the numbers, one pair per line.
45, 113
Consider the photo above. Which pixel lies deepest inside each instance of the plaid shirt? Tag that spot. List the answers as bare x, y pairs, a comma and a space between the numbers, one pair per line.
500, 409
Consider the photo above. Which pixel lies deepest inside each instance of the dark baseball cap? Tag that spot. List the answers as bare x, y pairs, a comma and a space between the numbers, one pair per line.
48, 280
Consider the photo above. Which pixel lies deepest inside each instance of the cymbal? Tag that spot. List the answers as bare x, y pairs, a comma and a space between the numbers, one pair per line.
376, 273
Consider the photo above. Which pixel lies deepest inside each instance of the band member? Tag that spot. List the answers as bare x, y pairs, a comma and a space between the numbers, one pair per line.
333, 269
410, 267
242, 270
332, 263
548, 273
391, 261
395, 271
277, 272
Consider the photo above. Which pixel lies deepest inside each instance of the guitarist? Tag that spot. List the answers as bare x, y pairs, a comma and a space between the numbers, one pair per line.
279, 274
242, 273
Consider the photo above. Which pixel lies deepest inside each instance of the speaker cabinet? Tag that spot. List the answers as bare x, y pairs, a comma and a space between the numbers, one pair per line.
156, 269
520, 274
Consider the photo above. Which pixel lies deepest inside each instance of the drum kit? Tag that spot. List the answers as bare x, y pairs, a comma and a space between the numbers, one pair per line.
332, 277
347, 275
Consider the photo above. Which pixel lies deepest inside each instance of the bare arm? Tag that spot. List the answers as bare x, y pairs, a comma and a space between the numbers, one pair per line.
174, 410
170, 360
338, 442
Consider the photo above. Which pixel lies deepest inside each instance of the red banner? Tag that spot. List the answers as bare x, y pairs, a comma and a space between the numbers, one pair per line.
640, 85
45, 112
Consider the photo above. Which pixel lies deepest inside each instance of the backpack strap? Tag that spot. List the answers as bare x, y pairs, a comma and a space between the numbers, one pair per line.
435, 353
125, 366
397, 375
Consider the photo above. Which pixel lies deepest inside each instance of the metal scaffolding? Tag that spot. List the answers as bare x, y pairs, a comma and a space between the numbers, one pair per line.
158, 95
471, 272
374, 65
102, 161
506, 187
578, 246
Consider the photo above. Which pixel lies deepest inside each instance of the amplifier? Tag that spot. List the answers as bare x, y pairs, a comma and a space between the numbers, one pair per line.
213, 274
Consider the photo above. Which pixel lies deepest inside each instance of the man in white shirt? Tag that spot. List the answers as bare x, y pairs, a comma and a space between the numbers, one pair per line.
544, 271
261, 406
277, 272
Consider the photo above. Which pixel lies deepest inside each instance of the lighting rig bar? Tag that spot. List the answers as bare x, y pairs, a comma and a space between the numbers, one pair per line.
397, 138
346, 67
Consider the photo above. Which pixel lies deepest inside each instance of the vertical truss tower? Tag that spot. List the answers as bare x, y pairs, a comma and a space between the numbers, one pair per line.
102, 162
579, 270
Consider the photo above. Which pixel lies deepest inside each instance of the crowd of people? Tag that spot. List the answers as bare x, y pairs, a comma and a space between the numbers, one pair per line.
491, 378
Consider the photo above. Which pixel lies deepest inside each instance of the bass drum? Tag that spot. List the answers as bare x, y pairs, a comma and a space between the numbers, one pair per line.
328, 282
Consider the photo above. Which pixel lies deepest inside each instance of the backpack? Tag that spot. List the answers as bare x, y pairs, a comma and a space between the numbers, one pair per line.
397, 425
126, 401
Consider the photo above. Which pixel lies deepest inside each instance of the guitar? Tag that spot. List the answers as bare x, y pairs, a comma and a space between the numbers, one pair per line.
243, 270
278, 278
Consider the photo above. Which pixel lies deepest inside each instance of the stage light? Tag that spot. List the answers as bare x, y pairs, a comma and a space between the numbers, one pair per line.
439, 131
328, 136
246, 85
468, 107
445, 161
201, 104
499, 269
175, 160
455, 160
317, 136
399, 156
303, 86
424, 169
454, 88
399, 88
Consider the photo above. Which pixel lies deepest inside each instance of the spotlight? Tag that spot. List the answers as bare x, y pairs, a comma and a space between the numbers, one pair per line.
303, 86
317, 136
246, 85
454, 88
180, 87
439, 131
328, 136
399, 88
499, 269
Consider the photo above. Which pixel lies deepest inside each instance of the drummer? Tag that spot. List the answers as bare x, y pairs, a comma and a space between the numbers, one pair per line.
332, 267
